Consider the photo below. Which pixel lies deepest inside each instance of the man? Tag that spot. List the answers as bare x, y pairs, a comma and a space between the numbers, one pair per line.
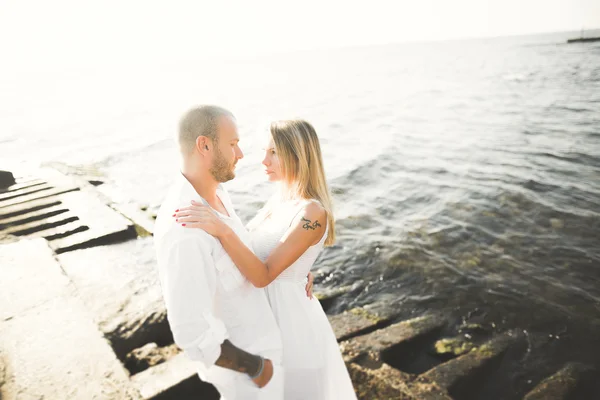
220, 320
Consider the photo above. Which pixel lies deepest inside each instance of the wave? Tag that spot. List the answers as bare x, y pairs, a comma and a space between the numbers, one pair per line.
573, 157
571, 109
117, 157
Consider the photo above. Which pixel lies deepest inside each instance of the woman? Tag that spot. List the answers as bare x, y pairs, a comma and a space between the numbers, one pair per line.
288, 235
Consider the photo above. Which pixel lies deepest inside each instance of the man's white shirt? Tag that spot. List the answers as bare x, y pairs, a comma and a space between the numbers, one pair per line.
207, 299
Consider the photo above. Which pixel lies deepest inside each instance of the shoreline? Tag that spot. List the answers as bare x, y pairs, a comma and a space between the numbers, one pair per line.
119, 301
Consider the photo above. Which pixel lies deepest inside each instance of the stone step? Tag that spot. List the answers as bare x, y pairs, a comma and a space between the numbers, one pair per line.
24, 191
23, 185
355, 322
61, 231
148, 356
173, 379
562, 384
41, 225
35, 215
23, 200
51, 347
71, 218
383, 383
21, 209
105, 225
22, 179
120, 285
369, 348
448, 374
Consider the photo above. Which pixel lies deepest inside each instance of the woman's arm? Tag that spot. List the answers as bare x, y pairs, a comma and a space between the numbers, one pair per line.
306, 230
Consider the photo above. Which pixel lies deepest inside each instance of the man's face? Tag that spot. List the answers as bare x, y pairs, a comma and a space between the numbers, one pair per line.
226, 151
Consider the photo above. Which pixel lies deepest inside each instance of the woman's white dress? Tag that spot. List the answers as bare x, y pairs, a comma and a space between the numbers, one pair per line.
314, 368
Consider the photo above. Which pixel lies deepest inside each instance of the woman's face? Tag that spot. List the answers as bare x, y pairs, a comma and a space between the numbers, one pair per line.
271, 162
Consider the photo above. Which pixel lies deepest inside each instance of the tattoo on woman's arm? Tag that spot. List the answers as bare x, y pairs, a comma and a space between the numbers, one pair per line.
237, 359
308, 224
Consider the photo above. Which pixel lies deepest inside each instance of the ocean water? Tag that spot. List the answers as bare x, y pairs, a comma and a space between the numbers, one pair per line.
466, 174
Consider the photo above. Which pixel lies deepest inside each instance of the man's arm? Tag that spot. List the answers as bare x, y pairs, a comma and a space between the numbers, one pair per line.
261, 370
189, 282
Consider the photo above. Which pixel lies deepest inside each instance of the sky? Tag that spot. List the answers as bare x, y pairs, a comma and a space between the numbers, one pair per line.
47, 32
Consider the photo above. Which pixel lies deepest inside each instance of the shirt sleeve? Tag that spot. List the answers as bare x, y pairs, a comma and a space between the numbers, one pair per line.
188, 281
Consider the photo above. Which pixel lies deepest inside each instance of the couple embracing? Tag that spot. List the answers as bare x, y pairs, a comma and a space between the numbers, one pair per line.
239, 299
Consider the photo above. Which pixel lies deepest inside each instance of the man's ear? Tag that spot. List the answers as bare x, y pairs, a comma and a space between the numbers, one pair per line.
202, 144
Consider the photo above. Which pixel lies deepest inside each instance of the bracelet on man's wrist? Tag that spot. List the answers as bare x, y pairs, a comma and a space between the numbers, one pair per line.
260, 370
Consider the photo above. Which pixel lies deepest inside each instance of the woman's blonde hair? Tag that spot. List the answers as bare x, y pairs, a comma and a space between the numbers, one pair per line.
299, 153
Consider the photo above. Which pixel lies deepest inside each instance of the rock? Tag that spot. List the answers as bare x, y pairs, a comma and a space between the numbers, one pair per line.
58, 209
119, 284
446, 375
105, 225
6, 238
21, 190
143, 221
556, 223
368, 348
49, 343
357, 321
328, 297
382, 383
6, 179
29, 196
149, 356
27, 266
173, 379
562, 384
454, 346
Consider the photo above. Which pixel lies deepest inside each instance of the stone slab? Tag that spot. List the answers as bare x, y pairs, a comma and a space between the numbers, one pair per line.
103, 222
160, 378
560, 385
23, 185
24, 200
27, 266
448, 373
24, 191
40, 225
120, 285
148, 356
20, 209
49, 346
35, 215
374, 343
60, 231
354, 322
382, 383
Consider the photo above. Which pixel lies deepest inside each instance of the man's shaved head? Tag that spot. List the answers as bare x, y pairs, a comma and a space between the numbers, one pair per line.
200, 121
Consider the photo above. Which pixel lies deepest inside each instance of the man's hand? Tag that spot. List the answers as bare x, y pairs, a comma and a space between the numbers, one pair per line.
309, 285
267, 374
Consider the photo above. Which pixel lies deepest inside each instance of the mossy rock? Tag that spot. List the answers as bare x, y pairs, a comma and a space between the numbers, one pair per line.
457, 346
366, 314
